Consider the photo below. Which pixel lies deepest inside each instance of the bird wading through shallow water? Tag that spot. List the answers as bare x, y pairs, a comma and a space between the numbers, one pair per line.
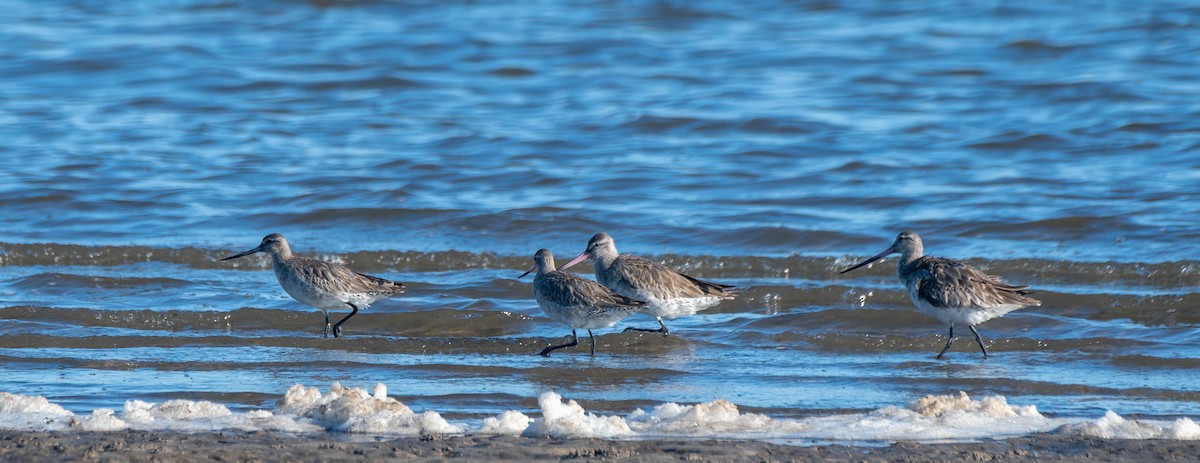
324, 285
952, 291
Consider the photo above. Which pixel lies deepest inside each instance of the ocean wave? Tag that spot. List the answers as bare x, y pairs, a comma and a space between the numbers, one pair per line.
1184, 273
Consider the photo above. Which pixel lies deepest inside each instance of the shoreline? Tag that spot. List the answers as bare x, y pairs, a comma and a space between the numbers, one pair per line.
123, 446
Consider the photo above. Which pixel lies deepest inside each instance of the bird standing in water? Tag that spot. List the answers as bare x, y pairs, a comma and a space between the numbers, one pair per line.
952, 291
668, 293
324, 285
576, 301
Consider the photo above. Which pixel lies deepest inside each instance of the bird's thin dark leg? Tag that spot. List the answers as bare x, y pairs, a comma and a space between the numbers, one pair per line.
979, 339
593, 342
948, 341
337, 329
574, 341
326, 324
662, 329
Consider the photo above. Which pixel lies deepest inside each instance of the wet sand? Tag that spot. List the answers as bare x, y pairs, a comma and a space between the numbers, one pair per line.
132, 446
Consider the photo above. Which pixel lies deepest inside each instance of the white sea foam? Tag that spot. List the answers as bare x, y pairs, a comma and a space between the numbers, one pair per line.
35, 413
353, 410
190, 415
173, 410
936, 418
568, 419
716, 418
101, 420
1113, 426
307, 410
24, 404
511, 423
300, 410
31, 412
931, 418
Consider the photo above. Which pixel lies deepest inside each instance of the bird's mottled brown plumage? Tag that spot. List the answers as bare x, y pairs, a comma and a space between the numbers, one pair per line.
946, 282
667, 292
576, 301
323, 285
570, 290
337, 278
664, 282
951, 291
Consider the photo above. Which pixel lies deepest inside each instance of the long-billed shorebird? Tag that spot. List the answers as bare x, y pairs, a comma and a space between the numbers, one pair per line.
668, 293
576, 301
324, 285
952, 291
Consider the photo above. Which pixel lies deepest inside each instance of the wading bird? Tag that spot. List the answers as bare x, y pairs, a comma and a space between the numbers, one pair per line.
952, 291
324, 285
576, 301
668, 293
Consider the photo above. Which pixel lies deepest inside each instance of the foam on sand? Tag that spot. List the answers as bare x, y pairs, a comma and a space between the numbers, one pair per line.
353, 410
931, 418
935, 418
569, 420
1112, 426
36, 414
301, 410
29, 412
190, 415
16, 404
509, 423
101, 420
716, 418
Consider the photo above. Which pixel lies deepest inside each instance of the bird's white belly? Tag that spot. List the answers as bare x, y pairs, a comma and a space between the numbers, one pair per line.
673, 308
962, 315
669, 308
309, 295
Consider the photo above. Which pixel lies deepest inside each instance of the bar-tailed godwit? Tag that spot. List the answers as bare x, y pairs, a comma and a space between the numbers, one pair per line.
576, 301
324, 285
668, 293
952, 291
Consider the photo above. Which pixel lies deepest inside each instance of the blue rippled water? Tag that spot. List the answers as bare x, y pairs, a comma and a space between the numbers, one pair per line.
761, 143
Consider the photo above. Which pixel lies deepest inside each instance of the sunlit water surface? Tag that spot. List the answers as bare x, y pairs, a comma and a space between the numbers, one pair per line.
762, 144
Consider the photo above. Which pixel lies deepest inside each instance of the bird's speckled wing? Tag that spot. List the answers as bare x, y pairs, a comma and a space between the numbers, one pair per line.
336, 278
952, 284
570, 290
663, 282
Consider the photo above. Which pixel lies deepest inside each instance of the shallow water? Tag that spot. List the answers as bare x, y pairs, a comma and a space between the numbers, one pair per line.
766, 145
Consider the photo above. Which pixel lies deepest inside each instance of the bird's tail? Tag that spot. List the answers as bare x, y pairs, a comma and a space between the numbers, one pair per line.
1019, 294
713, 289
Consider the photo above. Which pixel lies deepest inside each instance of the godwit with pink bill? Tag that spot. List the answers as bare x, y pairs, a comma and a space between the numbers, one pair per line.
668, 293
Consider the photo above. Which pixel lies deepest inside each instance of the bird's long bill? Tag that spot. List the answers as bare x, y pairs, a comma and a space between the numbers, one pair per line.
531, 269
235, 256
881, 255
581, 258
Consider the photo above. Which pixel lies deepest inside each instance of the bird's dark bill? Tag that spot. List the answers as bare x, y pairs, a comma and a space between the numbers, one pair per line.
881, 255
235, 256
